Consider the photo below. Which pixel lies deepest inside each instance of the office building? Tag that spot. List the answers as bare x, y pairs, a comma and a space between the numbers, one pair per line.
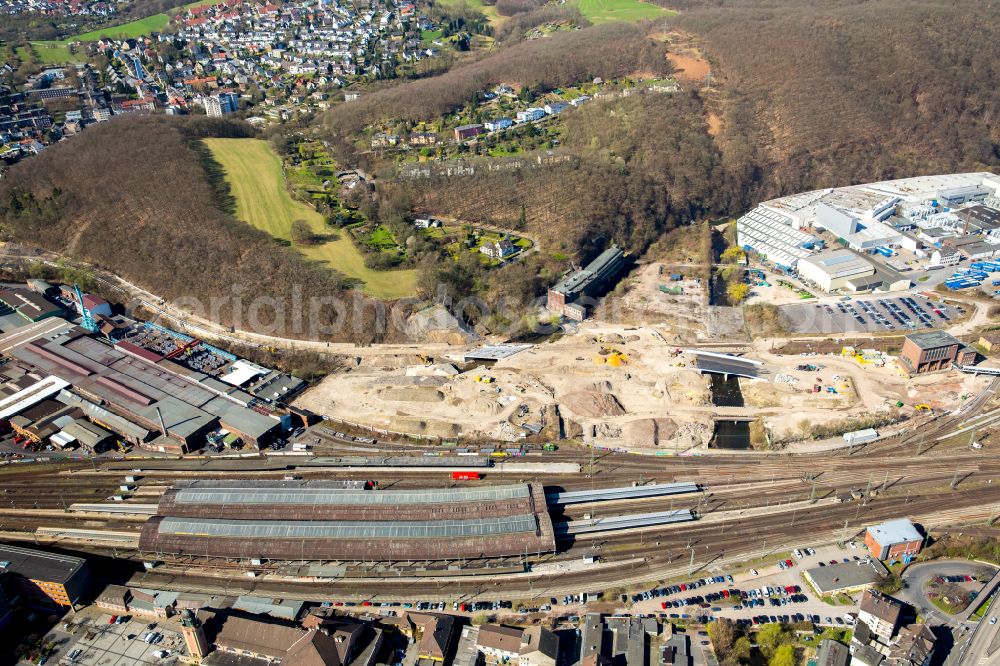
46, 580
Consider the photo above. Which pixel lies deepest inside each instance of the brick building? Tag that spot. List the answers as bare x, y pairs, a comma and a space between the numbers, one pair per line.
45, 579
931, 351
893, 539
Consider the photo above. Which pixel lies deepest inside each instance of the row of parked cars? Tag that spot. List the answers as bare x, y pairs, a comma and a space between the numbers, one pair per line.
776, 596
676, 589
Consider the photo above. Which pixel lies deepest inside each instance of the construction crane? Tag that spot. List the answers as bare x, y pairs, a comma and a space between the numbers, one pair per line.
88, 321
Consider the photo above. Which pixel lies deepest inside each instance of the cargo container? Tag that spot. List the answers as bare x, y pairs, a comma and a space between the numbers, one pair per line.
860, 436
465, 476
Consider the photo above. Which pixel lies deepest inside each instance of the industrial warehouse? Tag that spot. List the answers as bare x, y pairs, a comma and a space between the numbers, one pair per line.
939, 219
568, 298
142, 385
323, 521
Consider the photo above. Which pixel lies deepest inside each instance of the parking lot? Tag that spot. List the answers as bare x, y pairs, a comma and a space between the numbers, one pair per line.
770, 576
104, 644
900, 314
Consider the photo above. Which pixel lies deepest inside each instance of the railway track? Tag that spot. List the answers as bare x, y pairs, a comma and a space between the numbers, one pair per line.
773, 490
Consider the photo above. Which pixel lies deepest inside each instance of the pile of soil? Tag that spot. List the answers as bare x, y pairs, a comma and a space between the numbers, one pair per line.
412, 394
592, 404
651, 432
487, 407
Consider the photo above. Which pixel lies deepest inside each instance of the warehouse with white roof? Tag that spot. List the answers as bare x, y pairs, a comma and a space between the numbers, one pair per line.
773, 236
832, 270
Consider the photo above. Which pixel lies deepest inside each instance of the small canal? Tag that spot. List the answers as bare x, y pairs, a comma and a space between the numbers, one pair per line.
733, 435
726, 391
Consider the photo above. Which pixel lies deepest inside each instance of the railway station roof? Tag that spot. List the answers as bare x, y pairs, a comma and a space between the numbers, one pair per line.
313, 494
324, 521
315, 529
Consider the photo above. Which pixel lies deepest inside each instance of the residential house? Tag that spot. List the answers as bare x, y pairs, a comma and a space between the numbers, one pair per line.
498, 124
501, 249
530, 115
463, 132
433, 633
498, 643
539, 647
423, 139
880, 613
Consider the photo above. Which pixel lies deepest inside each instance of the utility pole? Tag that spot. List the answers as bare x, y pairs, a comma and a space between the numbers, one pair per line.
691, 566
843, 537
954, 479
886, 482
812, 493
868, 490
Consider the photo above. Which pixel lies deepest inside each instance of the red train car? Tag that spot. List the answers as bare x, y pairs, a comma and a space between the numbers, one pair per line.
465, 476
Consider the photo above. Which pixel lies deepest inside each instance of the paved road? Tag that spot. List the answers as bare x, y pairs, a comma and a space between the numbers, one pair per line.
984, 593
982, 648
916, 577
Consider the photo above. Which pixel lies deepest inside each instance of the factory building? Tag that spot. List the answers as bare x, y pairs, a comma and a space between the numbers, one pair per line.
566, 297
46, 580
27, 304
834, 269
775, 237
892, 539
142, 397
324, 521
864, 233
956, 196
979, 219
931, 351
973, 248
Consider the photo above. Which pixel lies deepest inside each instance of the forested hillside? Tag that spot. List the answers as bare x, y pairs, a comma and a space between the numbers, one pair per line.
827, 93
135, 197
643, 164
810, 94
608, 51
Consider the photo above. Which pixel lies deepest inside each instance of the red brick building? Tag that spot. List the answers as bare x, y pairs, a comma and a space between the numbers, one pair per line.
893, 539
932, 351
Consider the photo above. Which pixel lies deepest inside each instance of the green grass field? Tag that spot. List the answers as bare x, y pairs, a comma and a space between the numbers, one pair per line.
254, 174
154, 23
56, 53
605, 11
